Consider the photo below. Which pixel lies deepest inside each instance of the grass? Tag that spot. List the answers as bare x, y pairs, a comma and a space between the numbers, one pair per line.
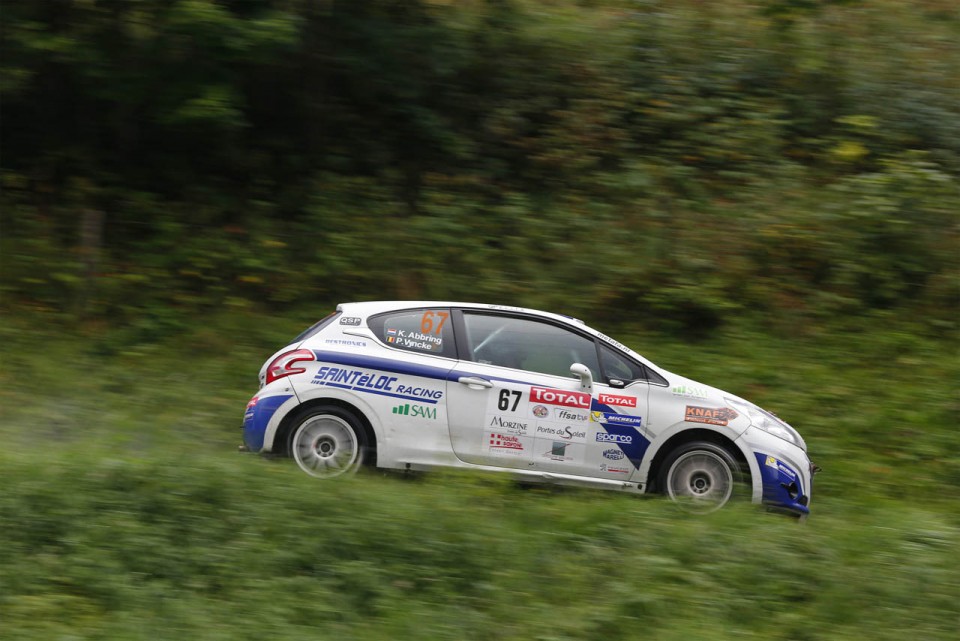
127, 515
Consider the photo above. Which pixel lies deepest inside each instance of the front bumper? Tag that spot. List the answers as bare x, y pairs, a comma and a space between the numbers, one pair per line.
784, 471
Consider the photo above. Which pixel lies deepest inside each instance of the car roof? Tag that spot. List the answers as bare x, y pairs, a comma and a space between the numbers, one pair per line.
366, 308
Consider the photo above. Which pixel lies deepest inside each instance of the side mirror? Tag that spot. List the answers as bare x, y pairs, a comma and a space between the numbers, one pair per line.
586, 378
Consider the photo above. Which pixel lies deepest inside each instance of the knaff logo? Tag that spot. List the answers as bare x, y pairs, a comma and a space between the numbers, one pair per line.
710, 415
559, 397
614, 399
417, 411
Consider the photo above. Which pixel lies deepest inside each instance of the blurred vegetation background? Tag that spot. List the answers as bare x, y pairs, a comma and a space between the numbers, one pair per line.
762, 195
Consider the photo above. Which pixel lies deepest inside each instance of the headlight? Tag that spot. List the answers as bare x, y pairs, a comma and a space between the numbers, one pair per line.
767, 422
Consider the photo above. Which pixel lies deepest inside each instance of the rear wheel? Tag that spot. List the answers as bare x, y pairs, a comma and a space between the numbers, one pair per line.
701, 476
327, 442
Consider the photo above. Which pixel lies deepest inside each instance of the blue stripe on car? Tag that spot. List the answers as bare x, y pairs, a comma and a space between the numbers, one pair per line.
638, 444
634, 450
256, 419
775, 480
400, 367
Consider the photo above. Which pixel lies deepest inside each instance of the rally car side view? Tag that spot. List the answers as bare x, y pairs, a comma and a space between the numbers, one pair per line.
420, 385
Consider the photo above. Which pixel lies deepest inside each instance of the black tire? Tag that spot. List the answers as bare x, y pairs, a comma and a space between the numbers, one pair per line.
327, 441
701, 476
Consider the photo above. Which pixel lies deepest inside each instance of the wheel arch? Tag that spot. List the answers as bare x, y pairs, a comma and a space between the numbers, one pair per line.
688, 436
281, 438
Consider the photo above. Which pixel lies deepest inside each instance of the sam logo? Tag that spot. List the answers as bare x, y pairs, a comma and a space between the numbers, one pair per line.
688, 391
349, 320
710, 415
559, 397
615, 399
613, 454
416, 411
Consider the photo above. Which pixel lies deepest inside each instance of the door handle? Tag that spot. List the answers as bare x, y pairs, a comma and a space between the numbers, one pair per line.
473, 380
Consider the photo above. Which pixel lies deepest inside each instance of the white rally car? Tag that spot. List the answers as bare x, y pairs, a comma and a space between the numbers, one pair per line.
420, 385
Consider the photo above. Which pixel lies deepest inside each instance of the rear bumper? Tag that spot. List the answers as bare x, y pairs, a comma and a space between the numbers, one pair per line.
257, 416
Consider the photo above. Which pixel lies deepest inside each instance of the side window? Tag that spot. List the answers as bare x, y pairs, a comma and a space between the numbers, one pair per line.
619, 366
520, 343
422, 331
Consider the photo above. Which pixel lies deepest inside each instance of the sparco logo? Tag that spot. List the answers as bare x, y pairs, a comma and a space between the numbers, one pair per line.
603, 437
559, 397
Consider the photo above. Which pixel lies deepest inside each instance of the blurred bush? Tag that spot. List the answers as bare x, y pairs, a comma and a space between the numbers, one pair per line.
682, 161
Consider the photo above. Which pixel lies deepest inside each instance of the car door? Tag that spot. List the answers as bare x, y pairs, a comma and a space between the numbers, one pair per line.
620, 409
513, 401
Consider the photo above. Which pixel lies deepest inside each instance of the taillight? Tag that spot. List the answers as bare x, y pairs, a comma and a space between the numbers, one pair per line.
286, 364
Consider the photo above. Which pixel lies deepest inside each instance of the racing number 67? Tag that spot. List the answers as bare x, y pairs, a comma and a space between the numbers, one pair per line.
427, 322
503, 403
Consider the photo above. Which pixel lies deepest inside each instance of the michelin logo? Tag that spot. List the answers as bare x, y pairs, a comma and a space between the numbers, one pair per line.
615, 419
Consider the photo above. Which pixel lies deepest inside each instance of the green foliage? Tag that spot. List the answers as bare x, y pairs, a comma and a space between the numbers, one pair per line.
127, 514
674, 161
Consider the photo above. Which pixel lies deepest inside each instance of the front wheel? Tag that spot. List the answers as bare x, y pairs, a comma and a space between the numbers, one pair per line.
327, 442
701, 476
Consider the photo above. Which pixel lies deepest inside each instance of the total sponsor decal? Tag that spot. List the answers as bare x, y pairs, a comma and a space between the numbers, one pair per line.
416, 411
568, 432
517, 427
688, 391
613, 454
611, 469
373, 383
540, 411
617, 400
613, 418
710, 415
506, 443
559, 397
563, 414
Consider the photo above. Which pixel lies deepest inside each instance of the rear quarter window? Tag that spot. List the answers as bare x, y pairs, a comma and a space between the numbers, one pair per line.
421, 331
316, 327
